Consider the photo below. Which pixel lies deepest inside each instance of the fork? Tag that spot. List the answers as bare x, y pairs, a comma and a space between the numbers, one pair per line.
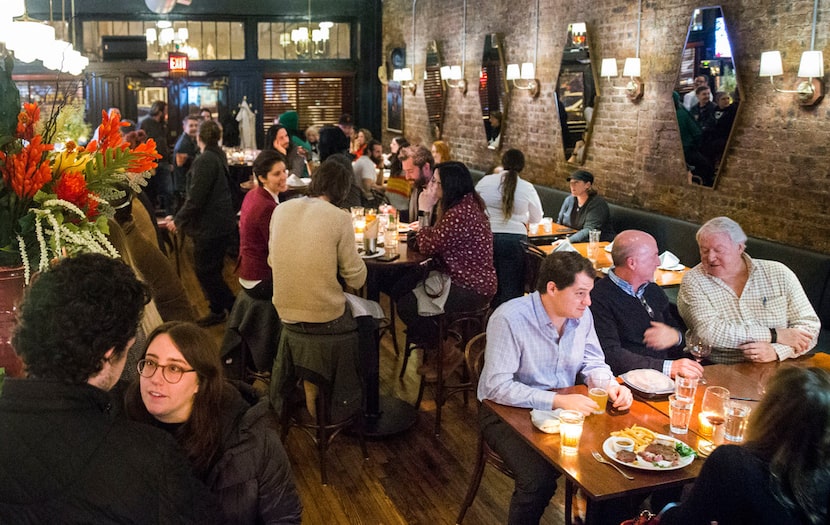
601, 459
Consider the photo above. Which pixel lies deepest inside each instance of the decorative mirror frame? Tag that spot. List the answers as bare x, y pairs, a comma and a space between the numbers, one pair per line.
711, 155
434, 90
574, 71
493, 67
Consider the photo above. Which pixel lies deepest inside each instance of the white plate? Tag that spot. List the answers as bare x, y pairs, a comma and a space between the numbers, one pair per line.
649, 381
608, 448
378, 253
679, 267
546, 420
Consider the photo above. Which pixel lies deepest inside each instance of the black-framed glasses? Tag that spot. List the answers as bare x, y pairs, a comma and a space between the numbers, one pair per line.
647, 307
170, 373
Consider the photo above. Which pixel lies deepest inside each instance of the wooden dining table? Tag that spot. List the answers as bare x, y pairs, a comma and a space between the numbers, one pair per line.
541, 236
602, 263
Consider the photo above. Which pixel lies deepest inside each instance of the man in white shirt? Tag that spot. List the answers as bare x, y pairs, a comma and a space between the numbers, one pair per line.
365, 168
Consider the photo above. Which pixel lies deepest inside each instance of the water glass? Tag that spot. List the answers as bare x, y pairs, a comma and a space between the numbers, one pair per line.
737, 415
570, 431
594, 236
547, 224
685, 387
390, 240
680, 414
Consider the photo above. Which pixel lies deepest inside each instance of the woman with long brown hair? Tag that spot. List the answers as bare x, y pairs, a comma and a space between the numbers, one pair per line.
227, 433
512, 203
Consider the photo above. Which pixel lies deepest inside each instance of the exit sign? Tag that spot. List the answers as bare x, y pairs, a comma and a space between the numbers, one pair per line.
177, 64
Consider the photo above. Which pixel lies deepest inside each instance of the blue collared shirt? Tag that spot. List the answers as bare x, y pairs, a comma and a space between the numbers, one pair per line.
526, 357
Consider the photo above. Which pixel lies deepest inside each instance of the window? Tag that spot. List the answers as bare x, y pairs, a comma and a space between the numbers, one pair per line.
302, 41
317, 99
200, 40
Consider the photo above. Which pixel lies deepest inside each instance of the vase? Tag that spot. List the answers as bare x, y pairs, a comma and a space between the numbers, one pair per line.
12, 282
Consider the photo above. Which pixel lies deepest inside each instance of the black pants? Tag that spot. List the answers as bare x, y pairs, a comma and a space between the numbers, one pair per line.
209, 260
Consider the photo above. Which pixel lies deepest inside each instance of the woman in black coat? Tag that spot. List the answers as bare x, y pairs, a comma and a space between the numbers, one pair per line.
229, 436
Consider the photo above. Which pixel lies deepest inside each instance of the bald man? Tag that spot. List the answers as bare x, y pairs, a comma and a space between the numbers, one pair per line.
634, 320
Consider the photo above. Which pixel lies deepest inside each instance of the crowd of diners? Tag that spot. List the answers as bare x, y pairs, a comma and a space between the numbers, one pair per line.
127, 412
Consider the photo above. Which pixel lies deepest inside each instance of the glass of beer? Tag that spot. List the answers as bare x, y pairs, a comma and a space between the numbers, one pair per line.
570, 431
598, 388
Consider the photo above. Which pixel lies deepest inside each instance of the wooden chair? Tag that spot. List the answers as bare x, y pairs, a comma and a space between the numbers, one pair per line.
474, 356
533, 261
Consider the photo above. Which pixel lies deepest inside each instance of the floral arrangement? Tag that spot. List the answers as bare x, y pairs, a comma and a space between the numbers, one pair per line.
54, 198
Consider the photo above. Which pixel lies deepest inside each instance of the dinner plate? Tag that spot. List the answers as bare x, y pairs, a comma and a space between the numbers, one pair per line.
639, 463
378, 253
648, 381
546, 420
676, 268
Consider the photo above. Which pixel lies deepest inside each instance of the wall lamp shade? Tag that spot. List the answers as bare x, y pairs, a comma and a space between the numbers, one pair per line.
811, 68
631, 69
454, 78
524, 77
404, 76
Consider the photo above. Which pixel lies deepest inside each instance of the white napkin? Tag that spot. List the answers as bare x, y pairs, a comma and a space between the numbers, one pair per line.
649, 381
546, 420
295, 181
565, 246
669, 261
371, 230
609, 247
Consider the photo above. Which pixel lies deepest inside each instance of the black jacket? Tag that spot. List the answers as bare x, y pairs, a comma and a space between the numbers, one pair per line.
208, 212
253, 477
66, 458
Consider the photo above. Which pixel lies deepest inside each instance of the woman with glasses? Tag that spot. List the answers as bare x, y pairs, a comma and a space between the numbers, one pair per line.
227, 433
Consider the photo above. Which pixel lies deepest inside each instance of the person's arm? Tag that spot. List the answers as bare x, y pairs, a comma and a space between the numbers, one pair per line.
564, 217
501, 362
534, 206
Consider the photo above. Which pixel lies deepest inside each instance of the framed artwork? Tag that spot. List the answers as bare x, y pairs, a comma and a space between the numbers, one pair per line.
394, 107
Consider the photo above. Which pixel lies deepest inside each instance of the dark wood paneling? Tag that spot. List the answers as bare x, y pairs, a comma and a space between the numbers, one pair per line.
104, 91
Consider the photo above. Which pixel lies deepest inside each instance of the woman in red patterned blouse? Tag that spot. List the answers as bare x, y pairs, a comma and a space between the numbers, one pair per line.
462, 245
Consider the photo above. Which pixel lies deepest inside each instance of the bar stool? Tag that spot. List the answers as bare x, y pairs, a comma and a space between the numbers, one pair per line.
324, 369
464, 324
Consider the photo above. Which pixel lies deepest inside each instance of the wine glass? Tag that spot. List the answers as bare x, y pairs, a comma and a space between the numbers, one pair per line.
699, 349
713, 413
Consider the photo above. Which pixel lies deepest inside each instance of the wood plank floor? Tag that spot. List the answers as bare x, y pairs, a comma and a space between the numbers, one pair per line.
412, 478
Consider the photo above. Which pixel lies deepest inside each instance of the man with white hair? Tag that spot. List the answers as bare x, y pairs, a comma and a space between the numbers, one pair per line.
747, 309
634, 320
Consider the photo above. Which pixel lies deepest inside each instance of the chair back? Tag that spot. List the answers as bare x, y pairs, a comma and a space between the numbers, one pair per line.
533, 261
474, 355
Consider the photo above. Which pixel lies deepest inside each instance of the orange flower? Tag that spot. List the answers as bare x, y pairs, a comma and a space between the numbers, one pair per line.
109, 132
145, 157
26, 172
26, 121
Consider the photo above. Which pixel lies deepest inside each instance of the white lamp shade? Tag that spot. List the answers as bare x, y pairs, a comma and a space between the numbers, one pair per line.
54, 58
166, 35
528, 71
163, 24
15, 8
513, 71
396, 75
5, 27
406, 74
771, 64
326, 25
302, 33
632, 67
578, 28
455, 72
608, 68
150, 35
183, 33
316, 35
812, 65
29, 35
446, 73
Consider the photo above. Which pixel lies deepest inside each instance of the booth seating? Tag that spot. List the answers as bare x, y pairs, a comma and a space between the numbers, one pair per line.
678, 237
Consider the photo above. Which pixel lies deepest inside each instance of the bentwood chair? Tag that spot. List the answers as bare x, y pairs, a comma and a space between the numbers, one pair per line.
533, 261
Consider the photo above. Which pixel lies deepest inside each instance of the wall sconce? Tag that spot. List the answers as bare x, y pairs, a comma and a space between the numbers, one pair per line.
809, 91
524, 78
404, 76
634, 87
454, 78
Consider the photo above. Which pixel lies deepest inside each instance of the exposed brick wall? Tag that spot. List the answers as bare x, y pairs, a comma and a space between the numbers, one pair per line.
776, 177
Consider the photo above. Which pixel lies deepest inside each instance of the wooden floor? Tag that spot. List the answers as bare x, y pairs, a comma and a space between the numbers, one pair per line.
412, 478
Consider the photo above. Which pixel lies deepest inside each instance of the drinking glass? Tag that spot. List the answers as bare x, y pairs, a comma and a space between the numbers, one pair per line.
597, 383
390, 240
713, 412
685, 387
699, 349
547, 224
737, 415
680, 413
570, 431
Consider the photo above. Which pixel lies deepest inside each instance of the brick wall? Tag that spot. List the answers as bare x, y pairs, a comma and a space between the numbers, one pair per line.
776, 177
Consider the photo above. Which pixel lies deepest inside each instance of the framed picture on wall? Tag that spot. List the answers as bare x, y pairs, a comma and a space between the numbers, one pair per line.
394, 107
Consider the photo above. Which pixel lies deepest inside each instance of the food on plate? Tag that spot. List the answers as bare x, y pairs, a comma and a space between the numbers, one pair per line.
641, 436
626, 456
659, 453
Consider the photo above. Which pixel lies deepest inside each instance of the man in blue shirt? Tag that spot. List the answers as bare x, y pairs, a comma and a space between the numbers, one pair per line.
536, 343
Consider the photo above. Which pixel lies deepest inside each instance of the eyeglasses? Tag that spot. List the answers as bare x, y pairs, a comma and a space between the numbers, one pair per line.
170, 373
647, 307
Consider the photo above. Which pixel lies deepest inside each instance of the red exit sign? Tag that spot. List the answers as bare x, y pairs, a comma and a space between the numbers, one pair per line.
177, 63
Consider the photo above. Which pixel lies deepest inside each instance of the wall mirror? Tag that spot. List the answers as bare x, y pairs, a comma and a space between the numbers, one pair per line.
707, 96
576, 93
434, 90
492, 90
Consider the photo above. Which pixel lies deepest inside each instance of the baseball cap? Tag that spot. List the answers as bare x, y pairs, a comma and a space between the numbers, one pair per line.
584, 176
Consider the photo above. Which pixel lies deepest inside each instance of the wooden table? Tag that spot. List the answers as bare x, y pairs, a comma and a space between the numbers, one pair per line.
599, 481
602, 260
558, 231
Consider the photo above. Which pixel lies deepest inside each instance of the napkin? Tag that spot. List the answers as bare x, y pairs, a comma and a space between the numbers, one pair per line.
565, 246
371, 230
609, 247
546, 420
295, 181
668, 261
